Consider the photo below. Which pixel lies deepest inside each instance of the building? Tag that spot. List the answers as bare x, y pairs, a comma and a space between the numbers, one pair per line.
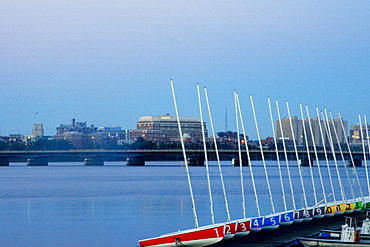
356, 136
286, 131
76, 127
114, 134
164, 129
38, 130
83, 136
331, 130
16, 138
336, 130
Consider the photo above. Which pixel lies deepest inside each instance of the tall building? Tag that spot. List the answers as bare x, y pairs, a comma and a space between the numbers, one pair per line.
332, 130
356, 136
37, 130
287, 133
165, 129
336, 130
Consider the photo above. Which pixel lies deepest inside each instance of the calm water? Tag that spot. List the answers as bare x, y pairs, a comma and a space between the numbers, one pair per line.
68, 204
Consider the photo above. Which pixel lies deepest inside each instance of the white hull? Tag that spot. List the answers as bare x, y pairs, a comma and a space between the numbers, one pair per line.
193, 243
331, 243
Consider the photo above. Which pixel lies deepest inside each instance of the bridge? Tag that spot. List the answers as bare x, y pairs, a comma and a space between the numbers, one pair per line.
138, 157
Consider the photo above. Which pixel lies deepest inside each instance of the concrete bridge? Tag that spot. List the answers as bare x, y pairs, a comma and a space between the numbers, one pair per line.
138, 157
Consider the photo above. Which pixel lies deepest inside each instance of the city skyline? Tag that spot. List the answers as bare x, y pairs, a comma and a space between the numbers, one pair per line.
109, 63
39, 127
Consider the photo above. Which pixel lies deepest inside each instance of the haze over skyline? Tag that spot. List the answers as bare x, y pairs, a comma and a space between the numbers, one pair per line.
110, 62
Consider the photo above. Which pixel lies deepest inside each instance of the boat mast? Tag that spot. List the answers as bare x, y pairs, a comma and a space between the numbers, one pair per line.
331, 144
368, 145
351, 156
185, 158
342, 155
316, 156
296, 154
277, 156
364, 151
218, 157
308, 154
206, 157
326, 155
286, 156
240, 154
249, 159
262, 155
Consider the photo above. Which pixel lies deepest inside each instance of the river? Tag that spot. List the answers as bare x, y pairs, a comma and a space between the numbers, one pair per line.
69, 204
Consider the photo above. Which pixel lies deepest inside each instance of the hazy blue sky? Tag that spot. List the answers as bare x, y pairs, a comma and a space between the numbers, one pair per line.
110, 62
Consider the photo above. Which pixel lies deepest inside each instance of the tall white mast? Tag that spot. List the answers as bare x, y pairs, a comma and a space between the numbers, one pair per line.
277, 156
249, 160
326, 155
308, 154
364, 152
286, 156
316, 156
218, 156
262, 155
296, 154
206, 157
240, 154
351, 156
331, 143
368, 146
185, 158
342, 155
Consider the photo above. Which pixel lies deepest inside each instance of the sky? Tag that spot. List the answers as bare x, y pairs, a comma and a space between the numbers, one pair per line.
110, 62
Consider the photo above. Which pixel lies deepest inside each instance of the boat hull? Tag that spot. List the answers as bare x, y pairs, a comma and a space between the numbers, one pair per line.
271, 222
230, 230
243, 228
307, 242
196, 237
303, 215
287, 218
318, 212
256, 224
338, 234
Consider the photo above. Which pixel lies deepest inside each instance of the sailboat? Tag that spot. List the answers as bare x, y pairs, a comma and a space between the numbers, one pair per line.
268, 222
271, 221
298, 215
245, 225
350, 204
198, 236
341, 205
349, 236
367, 204
286, 217
319, 208
335, 207
216, 232
306, 213
358, 201
230, 227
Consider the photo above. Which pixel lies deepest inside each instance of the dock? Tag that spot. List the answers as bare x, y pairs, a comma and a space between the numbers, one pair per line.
284, 236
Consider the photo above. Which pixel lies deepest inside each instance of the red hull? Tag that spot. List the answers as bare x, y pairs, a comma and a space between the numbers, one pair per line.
243, 227
201, 236
230, 230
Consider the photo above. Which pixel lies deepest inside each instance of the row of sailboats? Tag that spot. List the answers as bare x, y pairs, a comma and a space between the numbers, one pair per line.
216, 232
